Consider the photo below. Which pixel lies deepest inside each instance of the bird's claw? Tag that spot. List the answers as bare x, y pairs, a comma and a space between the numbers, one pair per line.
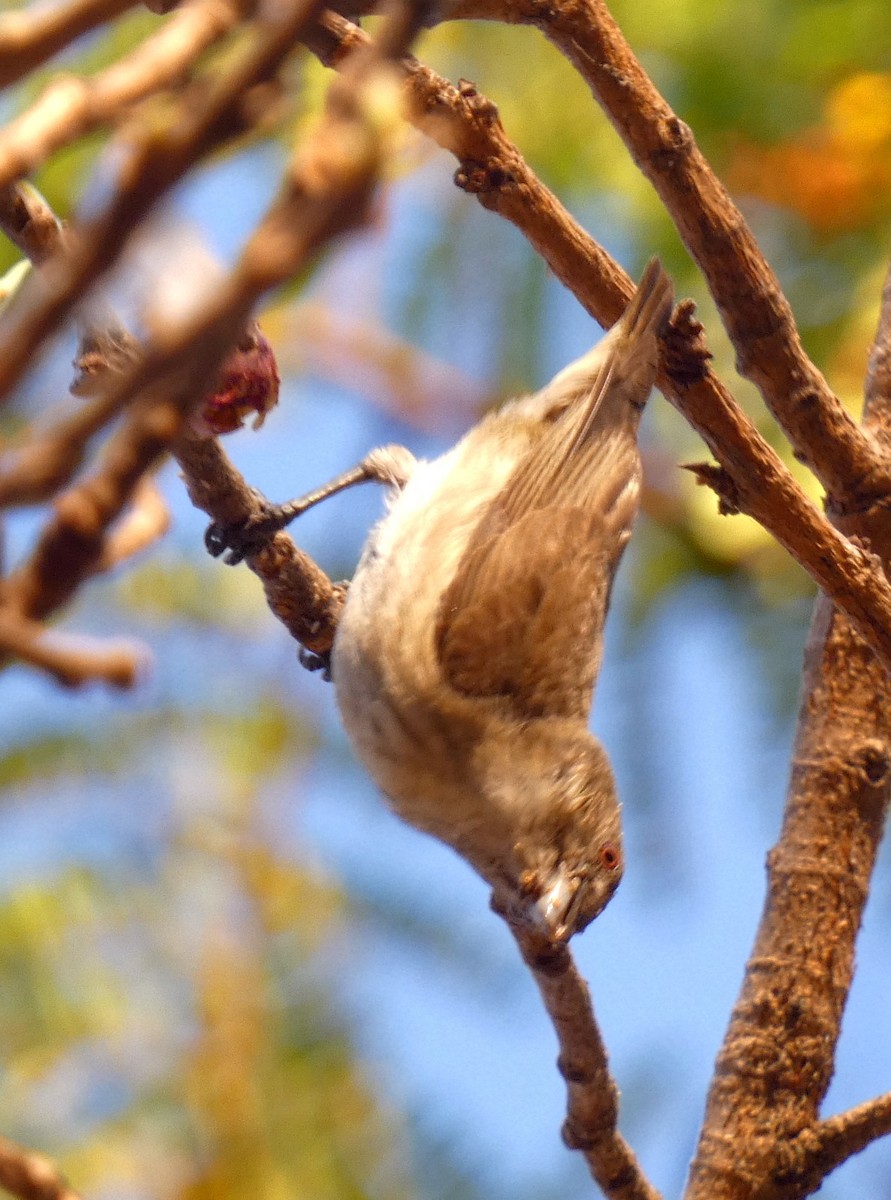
234, 541
316, 662
226, 542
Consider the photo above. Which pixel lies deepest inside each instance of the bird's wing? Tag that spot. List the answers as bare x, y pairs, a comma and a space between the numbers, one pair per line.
523, 616
527, 627
589, 445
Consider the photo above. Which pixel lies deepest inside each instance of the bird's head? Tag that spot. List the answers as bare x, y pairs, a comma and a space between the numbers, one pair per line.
553, 787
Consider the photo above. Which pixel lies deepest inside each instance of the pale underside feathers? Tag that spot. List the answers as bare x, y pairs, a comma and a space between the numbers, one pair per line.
524, 612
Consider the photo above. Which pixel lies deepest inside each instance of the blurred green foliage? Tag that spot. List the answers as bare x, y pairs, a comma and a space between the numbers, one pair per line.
168, 1021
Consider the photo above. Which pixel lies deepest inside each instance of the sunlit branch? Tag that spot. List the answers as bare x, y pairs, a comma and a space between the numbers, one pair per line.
753, 478
156, 161
72, 106
29, 36
746, 290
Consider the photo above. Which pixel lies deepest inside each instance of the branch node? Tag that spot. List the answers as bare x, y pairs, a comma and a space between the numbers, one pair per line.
685, 353
873, 761
575, 1138
479, 106
478, 178
720, 481
572, 1072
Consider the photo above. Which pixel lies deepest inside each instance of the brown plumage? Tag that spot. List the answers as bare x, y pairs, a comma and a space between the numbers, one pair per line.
469, 647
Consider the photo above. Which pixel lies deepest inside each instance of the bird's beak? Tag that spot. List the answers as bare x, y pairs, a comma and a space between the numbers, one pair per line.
553, 908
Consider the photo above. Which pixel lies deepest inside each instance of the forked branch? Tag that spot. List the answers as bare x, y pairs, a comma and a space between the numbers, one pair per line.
753, 478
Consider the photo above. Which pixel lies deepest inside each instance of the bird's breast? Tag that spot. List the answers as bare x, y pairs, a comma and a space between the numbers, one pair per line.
414, 734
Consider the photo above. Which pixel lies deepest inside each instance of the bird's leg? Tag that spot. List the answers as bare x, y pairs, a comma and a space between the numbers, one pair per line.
390, 465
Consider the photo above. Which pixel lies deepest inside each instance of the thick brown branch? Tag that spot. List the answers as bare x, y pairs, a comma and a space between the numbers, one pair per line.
592, 1095
492, 168
754, 309
777, 1058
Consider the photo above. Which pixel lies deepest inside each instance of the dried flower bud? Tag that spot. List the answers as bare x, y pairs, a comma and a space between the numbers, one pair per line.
248, 383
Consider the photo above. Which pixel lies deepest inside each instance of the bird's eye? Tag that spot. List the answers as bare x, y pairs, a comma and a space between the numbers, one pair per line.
609, 856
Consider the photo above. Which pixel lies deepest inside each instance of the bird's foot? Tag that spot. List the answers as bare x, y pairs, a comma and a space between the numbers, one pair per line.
237, 540
316, 662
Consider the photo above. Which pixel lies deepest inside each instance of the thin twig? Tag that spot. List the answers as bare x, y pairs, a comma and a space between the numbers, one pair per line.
837, 1138
592, 1096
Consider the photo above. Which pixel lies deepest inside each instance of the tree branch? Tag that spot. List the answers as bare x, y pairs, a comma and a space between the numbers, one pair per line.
71, 659
71, 545
592, 1095
837, 1138
30, 36
326, 191
755, 311
30, 1176
155, 162
799, 974
298, 591
72, 106
756, 481
28, 221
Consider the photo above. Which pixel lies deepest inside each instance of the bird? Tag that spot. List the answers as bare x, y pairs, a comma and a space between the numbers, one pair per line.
467, 652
